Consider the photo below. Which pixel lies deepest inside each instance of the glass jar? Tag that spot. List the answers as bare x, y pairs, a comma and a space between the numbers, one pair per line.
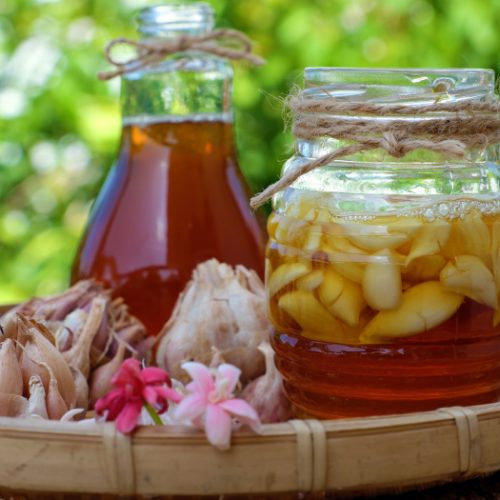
176, 196
383, 273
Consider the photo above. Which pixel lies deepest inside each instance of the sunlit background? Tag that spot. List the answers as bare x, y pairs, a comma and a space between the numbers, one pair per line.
59, 125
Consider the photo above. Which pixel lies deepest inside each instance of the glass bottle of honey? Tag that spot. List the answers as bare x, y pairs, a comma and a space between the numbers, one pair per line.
176, 196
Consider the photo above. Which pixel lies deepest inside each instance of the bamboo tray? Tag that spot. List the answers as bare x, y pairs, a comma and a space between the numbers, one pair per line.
342, 456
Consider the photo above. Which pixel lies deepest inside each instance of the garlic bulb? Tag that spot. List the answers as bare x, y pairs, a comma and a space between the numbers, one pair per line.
265, 393
222, 308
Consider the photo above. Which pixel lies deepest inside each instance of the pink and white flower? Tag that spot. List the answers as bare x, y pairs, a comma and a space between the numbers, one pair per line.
136, 387
210, 403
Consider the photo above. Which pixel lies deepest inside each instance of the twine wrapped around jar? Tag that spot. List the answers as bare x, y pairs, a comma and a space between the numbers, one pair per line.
468, 125
226, 43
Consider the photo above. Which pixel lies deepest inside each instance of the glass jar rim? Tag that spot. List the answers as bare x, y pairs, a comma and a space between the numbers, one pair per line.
387, 84
196, 17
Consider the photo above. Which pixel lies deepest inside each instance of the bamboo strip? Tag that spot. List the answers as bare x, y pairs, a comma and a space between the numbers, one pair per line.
351, 455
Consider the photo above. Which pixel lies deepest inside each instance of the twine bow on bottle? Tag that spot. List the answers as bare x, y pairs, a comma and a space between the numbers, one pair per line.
449, 128
226, 43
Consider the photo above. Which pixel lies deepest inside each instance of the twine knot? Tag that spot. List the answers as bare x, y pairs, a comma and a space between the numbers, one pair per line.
394, 145
448, 128
226, 43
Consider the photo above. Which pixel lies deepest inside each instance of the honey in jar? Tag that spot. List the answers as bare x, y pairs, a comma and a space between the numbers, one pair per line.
176, 196
383, 275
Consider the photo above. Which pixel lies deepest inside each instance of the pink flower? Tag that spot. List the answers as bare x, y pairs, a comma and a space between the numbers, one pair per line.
210, 402
136, 387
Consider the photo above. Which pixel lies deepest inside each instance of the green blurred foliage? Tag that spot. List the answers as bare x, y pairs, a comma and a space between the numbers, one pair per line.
59, 125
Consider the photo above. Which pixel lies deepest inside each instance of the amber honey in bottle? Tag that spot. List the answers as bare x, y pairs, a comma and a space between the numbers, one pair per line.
176, 196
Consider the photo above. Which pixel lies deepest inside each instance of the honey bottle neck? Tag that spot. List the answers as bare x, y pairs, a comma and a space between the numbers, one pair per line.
184, 86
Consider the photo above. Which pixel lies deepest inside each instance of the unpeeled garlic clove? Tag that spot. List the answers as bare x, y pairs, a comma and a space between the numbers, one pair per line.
422, 307
56, 407
38, 349
79, 355
12, 405
343, 298
36, 402
429, 239
382, 286
11, 378
81, 389
469, 276
265, 394
285, 275
100, 382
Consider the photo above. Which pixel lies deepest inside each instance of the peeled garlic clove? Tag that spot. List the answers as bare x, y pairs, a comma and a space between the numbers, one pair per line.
100, 382
11, 378
313, 238
469, 276
425, 268
473, 237
423, 307
12, 405
286, 274
429, 239
308, 312
331, 287
341, 297
382, 287
311, 281
36, 401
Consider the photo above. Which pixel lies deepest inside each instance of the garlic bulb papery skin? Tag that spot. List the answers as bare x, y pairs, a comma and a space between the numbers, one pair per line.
265, 394
221, 308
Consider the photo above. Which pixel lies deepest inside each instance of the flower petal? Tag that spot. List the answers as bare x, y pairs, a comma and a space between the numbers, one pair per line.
169, 394
113, 401
231, 375
201, 375
154, 375
242, 411
218, 427
191, 407
128, 373
129, 417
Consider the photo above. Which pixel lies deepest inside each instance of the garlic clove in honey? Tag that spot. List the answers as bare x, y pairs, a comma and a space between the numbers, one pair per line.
309, 314
425, 268
422, 307
382, 286
221, 307
343, 298
471, 236
429, 239
285, 275
469, 276
311, 281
